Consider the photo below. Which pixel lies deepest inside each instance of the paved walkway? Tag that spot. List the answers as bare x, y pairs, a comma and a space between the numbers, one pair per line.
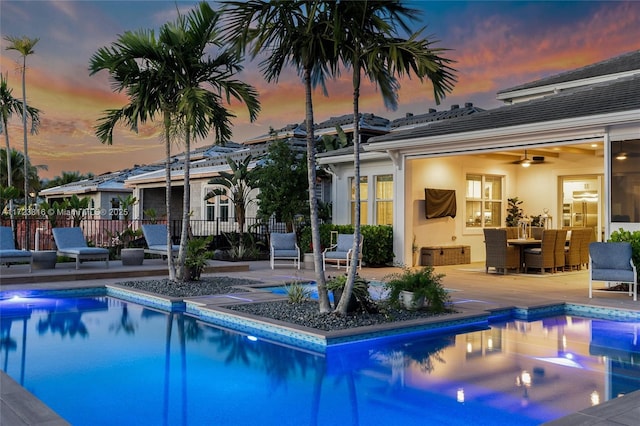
473, 286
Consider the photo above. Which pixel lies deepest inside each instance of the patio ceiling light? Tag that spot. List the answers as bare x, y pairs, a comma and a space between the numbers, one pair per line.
621, 155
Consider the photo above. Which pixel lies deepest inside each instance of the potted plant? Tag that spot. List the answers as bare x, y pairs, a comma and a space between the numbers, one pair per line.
198, 254
130, 254
415, 289
514, 212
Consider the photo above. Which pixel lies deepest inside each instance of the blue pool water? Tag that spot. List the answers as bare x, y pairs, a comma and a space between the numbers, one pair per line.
101, 360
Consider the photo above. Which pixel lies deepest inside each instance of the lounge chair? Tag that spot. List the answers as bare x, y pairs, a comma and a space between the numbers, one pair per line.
70, 242
612, 263
9, 254
342, 252
156, 237
283, 246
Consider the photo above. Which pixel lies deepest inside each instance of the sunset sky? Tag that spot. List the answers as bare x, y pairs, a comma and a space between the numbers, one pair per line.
496, 44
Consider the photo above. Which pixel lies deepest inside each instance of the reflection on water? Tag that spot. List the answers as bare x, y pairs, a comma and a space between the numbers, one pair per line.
105, 361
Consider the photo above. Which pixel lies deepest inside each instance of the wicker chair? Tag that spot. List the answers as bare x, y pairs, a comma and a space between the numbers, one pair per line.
536, 232
499, 255
572, 251
512, 232
542, 257
587, 238
558, 251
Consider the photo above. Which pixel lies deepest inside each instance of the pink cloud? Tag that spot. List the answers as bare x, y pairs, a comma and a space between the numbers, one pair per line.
492, 53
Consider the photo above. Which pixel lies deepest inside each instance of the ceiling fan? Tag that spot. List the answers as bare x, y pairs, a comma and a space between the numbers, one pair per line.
527, 161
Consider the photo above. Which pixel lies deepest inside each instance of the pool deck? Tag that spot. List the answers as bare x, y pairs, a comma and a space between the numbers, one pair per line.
474, 290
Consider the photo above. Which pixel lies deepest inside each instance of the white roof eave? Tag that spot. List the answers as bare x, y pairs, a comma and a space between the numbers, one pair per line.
348, 158
582, 128
551, 88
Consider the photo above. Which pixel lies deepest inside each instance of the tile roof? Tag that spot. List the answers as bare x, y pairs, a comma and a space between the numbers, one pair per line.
626, 62
434, 115
110, 181
612, 96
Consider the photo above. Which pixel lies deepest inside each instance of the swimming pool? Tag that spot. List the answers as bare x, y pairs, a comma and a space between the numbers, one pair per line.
100, 360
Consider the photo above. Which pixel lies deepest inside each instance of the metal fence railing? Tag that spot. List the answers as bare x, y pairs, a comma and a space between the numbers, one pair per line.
34, 233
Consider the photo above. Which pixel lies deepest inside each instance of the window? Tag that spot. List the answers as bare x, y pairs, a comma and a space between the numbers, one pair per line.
217, 207
384, 200
115, 209
364, 190
224, 207
625, 181
484, 201
210, 209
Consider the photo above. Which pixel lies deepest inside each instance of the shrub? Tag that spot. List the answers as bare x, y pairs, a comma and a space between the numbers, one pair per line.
377, 249
297, 293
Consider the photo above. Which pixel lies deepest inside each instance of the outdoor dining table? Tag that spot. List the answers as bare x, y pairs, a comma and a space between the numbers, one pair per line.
522, 244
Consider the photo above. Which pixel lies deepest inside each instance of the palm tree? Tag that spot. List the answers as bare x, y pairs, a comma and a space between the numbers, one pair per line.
141, 80
236, 186
24, 45
171, 76
368, 42
295, 33
9, 106
205, 83
16, 160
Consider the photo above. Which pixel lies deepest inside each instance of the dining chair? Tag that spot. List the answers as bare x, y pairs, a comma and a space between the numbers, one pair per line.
587, 238
572, 251
499, 255
558, 251
542, 257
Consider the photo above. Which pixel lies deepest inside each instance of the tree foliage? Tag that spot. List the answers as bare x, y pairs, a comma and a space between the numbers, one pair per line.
282, 180
66, 178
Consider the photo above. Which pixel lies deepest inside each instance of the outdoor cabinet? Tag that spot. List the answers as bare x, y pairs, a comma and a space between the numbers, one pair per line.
445, 255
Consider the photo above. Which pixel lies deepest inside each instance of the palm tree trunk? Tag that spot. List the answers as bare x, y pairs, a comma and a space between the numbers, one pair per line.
167, 124
26, 155
9, 178
186, 206
323, 296
351, 273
